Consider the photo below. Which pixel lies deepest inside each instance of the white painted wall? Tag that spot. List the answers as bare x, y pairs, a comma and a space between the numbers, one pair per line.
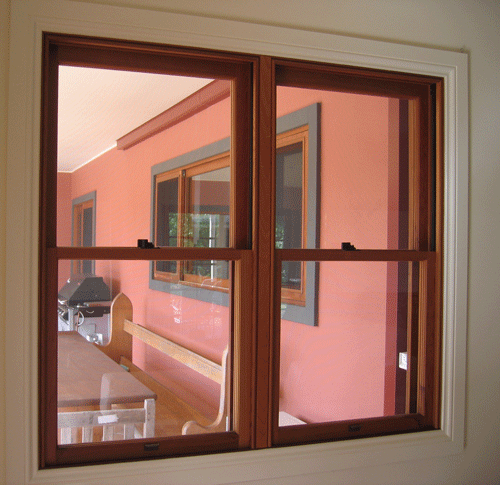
471, 25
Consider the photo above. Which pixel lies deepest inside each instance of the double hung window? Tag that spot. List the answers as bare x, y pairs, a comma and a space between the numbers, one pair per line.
311, 194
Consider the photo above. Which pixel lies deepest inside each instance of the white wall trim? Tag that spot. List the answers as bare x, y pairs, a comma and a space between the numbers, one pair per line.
29, 20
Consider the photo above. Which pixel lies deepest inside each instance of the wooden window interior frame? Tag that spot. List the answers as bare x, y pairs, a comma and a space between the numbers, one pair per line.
183, 174
256, 291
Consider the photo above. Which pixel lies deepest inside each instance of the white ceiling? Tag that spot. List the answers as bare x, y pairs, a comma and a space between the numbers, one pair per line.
98, 106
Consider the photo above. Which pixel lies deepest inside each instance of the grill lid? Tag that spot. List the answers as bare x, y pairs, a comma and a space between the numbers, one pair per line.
84, 288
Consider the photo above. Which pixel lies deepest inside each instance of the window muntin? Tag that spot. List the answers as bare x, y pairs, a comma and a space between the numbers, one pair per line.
242, 304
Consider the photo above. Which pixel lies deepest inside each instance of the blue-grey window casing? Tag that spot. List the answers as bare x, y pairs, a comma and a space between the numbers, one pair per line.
310, 116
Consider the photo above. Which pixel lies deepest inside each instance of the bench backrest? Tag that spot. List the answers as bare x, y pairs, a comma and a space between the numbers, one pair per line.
120, 344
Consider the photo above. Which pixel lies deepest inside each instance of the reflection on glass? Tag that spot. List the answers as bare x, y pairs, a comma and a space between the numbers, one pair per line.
347, 365
208, 210
107, 395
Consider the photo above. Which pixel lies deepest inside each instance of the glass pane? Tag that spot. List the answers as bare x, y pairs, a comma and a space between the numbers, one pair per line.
356, 170
291, 275
206, 223
138, 390
167, 219
83, 230
349, 362
207, 273
87, 227
289, 168
118, 131
167, 209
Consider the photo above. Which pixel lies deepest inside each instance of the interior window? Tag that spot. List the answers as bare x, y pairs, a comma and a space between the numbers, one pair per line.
309, 199
192, 210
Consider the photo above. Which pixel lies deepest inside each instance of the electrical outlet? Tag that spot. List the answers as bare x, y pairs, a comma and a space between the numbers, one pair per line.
403, 360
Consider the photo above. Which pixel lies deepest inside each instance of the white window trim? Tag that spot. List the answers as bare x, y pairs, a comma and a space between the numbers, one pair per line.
29, 20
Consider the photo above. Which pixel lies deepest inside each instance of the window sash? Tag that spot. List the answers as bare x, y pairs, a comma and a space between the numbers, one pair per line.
425, 214
115, 54
241, 355
423, 381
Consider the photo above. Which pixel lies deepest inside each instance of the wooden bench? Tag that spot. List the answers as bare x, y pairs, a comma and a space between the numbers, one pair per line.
119, 349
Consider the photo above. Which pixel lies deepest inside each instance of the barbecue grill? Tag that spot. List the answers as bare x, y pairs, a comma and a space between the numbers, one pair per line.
83, 306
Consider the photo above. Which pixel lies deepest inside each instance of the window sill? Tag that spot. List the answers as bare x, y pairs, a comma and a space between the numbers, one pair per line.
241, 467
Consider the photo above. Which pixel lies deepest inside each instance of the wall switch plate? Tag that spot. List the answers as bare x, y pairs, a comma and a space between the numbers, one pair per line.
403, 360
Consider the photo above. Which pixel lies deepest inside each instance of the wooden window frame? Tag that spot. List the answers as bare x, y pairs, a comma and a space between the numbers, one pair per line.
254, 308
183, 174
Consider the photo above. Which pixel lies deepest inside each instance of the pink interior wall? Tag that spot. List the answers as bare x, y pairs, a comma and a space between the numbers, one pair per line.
330, 371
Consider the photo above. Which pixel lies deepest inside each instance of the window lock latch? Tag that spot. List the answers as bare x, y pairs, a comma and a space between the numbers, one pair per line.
144, 244
347, 246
